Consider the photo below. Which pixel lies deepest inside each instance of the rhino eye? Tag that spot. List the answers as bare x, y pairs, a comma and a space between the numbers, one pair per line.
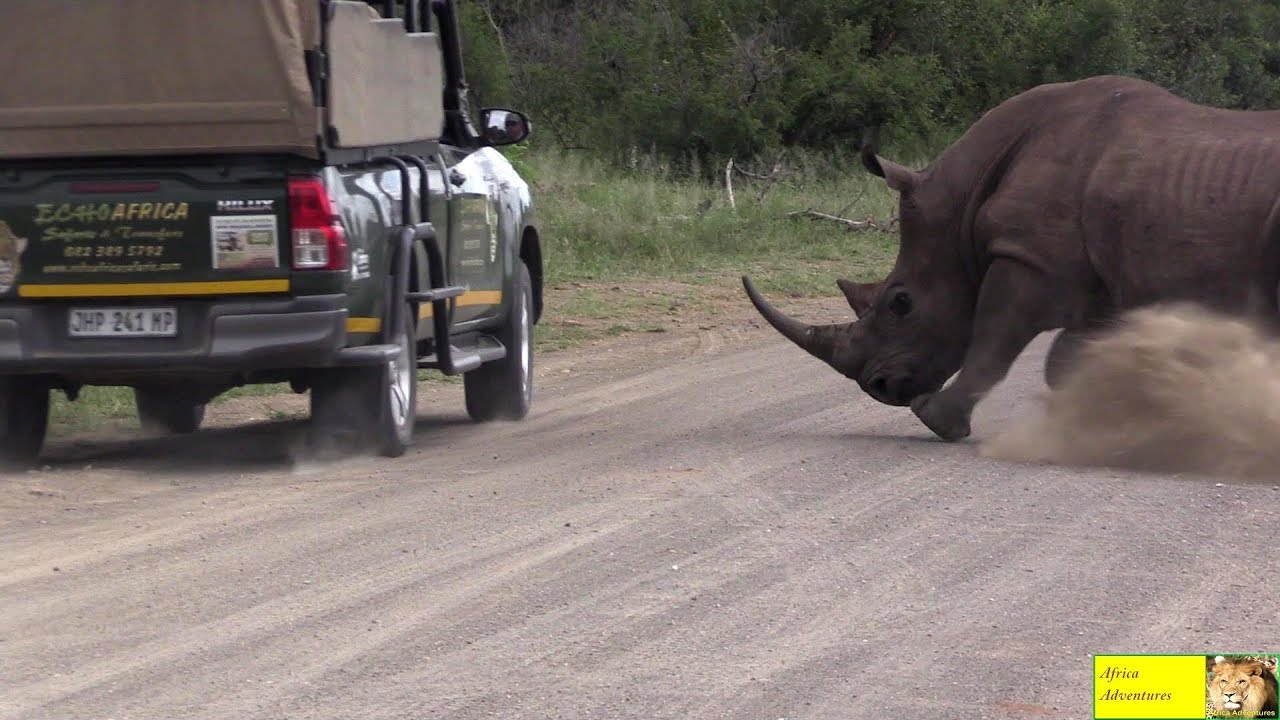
900, 303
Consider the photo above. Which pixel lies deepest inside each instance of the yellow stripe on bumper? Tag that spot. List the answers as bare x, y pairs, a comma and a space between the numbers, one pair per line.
475, 297
364, 325
102, 290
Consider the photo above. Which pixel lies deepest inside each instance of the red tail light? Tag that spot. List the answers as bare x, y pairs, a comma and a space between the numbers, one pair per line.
319, 242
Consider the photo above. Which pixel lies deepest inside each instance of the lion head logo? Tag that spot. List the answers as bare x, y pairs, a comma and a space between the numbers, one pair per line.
11, 247
1242, 687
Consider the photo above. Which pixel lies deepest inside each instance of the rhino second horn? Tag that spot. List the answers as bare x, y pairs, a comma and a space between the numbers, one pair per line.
819, 341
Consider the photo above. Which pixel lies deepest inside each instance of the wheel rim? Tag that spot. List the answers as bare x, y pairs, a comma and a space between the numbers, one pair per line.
526, 350
400, 385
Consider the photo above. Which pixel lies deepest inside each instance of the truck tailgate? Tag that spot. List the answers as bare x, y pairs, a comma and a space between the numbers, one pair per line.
201, 227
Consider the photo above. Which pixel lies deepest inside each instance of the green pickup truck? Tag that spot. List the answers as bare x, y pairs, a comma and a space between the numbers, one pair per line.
196, 196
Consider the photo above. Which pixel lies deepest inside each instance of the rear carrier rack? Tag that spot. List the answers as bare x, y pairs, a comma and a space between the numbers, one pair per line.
299, 85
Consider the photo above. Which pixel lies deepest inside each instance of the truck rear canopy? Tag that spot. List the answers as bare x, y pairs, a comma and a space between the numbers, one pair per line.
158, 77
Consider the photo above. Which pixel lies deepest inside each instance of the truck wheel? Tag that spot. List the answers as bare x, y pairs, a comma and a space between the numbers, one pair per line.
369, 406
24, 418
397, 395
503, 389
167, 413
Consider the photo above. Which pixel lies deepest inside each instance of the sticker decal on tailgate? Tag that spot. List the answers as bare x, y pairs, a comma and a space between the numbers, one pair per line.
11, 247
242, 242
106, 238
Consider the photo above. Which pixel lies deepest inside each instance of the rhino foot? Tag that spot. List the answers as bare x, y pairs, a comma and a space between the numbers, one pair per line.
1062, 354
946, 421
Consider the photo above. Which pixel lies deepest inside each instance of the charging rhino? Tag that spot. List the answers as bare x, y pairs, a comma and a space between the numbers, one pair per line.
1059, 208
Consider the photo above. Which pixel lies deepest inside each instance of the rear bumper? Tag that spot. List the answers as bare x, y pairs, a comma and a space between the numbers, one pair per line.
243, 335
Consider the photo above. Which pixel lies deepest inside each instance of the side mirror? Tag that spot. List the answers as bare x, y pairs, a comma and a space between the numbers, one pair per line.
503, 126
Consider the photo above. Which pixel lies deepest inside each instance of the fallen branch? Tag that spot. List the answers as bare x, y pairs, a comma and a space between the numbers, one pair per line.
856, 200
851, 224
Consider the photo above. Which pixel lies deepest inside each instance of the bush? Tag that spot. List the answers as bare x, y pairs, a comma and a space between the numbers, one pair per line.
692, 83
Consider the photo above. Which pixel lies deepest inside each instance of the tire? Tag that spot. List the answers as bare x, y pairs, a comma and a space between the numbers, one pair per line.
503, 389
158, 411
24, 419
397, 394
369, 407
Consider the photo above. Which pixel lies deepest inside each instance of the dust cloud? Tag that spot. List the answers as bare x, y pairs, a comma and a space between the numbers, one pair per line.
1176, 388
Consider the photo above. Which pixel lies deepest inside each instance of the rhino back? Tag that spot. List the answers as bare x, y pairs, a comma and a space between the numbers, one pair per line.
1178, 204
1122, 183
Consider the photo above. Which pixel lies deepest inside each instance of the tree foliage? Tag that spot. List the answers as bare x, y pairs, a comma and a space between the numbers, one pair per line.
694, 82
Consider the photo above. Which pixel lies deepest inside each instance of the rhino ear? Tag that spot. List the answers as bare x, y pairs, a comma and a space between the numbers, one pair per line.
895, 176
861, 296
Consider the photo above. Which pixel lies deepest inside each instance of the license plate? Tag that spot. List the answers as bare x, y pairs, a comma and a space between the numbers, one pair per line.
123, 322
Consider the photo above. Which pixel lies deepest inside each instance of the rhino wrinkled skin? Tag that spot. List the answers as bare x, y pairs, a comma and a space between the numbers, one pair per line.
1059, 208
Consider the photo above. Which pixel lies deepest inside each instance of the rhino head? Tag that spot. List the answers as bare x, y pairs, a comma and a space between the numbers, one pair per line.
913, 327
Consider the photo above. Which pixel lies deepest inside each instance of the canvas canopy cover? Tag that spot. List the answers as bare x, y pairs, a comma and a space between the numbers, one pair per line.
159, 77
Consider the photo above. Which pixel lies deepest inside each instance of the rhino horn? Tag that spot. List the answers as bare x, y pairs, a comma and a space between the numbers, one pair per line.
820, 341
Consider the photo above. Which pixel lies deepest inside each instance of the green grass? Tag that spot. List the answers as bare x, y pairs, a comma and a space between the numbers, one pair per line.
555, 337
116, 404
602, 224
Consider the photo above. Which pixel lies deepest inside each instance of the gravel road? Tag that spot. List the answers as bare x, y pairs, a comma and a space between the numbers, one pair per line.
689, 526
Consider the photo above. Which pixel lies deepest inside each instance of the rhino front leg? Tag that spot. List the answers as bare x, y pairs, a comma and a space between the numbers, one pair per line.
1062, 353
1015, 304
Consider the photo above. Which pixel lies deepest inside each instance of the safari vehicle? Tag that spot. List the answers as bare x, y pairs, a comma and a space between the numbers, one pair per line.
196, 196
